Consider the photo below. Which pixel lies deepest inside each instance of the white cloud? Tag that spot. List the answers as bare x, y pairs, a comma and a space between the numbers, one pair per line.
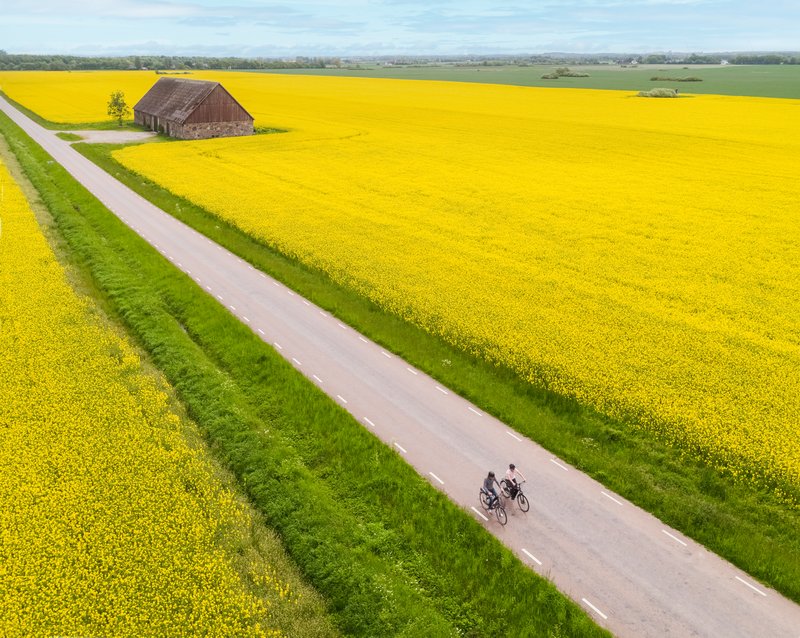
404, 26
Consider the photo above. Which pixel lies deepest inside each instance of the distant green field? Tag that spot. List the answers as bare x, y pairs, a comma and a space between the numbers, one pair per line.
757, 80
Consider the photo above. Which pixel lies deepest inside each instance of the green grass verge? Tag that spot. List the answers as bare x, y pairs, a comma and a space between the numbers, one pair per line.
69, 137
392, 555
757, 80
748, 526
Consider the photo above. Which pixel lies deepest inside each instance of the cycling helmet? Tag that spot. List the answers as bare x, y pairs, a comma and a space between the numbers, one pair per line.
491, 474
512, 466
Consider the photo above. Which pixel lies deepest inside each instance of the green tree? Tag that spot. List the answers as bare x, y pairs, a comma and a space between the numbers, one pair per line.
117, 107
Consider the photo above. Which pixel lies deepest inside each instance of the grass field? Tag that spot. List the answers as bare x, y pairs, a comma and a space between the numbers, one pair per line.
394, 559
757, 80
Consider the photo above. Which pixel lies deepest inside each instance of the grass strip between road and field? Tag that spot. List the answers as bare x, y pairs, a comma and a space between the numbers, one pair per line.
746, 525
392, 555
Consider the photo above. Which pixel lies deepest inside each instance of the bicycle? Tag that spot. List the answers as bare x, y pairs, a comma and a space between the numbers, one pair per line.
498, 509
519, 497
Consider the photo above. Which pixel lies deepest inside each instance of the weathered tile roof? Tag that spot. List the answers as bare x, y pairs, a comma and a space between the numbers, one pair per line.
175, 99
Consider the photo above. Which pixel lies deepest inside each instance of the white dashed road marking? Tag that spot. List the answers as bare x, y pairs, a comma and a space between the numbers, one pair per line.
479, 514
675, 538
513, 436
618, 502
600, 613
436, 477
559, 465
400, 447
474, 410
755, 589
531, 556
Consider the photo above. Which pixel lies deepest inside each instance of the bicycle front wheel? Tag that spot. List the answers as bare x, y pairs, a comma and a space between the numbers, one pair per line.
523, 502
500, 513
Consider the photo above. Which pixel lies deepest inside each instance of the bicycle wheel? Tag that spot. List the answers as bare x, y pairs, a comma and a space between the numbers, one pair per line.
484, 500
500, 513
523, 502
505, 488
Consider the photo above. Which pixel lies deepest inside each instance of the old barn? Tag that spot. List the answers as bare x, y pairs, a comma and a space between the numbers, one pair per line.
192, 110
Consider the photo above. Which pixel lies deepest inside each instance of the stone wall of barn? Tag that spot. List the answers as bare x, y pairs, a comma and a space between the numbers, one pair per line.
194, 131
204, 130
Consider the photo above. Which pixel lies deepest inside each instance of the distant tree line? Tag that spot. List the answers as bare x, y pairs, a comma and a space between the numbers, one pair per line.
559, 59
716, 58
765, 59
26, 62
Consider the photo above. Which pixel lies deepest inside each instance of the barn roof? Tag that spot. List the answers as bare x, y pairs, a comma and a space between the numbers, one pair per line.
175, 99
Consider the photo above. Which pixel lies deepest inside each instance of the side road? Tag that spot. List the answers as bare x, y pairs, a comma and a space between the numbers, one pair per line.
633, 574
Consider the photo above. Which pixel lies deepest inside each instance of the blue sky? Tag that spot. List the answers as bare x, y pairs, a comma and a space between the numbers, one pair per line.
367, 27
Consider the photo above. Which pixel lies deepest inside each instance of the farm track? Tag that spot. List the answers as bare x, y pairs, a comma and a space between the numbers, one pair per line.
631, 573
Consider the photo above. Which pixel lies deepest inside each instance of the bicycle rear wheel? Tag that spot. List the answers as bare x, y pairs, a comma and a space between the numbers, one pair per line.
523, 502
506, 488
500, 513
484, 500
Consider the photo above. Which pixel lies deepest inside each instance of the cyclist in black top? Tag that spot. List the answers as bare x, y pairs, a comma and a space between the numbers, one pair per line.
488, 484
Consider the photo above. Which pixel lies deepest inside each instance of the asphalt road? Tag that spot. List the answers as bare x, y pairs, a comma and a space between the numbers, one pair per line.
632, 574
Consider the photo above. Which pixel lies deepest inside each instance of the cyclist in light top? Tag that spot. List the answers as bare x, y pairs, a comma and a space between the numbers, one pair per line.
488, 484
512, 473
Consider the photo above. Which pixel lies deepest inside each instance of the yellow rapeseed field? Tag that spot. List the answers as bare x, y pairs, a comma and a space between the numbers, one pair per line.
640, 255
73, 96
112, 521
